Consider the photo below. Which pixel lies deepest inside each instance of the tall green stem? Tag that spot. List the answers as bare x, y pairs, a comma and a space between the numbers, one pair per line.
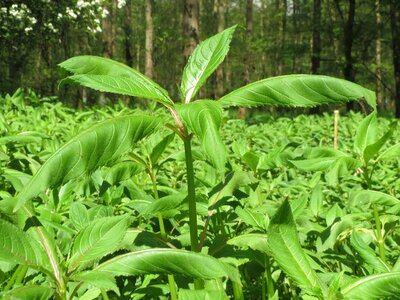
194, 239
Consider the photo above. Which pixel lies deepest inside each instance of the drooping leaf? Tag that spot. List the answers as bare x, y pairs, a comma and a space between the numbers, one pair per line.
284, 246
297, 90
29, 292
255, 241
170, 261
374, 287
204, 119
16, 246
87, 151
204, 60
110, 76
100, 237
367, 254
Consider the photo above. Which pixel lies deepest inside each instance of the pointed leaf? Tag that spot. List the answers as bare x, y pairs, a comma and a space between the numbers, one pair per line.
204, 60
110, 76
390, 153
371, 150
285, 248
255, 241
87, 151
16, 246
367, 254
204, 119
374, 287
98, 279
298, 90
202, 295
367, 133
100, 237
170, 261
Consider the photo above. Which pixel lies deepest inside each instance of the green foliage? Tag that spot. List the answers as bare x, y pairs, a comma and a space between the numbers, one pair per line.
273, 209
297, 90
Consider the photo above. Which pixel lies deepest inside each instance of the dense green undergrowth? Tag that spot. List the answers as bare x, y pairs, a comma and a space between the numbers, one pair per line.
291, 218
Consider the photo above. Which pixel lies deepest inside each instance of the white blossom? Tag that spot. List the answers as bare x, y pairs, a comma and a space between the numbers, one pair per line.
121, 3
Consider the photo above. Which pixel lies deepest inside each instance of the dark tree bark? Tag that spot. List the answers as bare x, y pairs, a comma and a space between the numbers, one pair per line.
348, 37
149, 60
128, 33
282, 35
108, 29
316, 38
395, 25
190, 27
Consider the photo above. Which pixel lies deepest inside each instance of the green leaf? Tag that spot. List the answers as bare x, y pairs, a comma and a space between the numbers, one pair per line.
159, 149
252, 218
255, 241
98, 279
164, 204
30, 292
367, 254
367, 133
79, 216
170, 261
110, 76
390, 153
316, 200
202, 295
374, 287
204, 118
285, 248
371, 150
16, 246
204, 60
297, 90
87, 151
100, 237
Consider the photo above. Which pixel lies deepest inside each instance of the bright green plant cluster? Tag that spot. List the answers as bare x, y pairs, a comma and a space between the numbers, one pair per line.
115, 207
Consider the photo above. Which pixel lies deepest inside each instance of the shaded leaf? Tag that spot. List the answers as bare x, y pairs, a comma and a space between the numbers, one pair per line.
30, 292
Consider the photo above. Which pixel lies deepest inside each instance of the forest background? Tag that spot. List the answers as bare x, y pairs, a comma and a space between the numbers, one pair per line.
358, 40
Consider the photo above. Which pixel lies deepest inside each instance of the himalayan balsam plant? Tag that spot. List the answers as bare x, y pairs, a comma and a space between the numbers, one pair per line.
29, 244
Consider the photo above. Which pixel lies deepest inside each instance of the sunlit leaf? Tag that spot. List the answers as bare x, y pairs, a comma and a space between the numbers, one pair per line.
204, 60
297, 90
87, 151
170, 261
110, 76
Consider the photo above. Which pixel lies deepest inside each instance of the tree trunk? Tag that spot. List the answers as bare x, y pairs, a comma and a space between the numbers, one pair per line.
348, 36
190, 27
282, 35
108, 29
316, 38
128, 33
219, 91
149, 61
316, 44
395, 25
378, 56
242, 113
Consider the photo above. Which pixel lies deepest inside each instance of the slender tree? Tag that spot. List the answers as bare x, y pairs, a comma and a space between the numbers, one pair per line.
149, 57
191, 12
395, 25
108, 28
378, 55
316, 38
127, 27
